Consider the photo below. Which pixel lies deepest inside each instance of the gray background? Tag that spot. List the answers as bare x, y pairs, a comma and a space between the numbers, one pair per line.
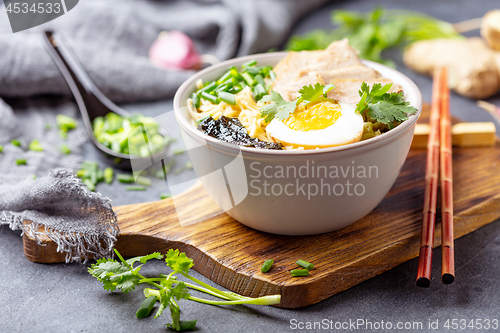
65, 298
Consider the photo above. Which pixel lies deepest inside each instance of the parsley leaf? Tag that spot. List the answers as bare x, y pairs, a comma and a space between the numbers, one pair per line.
143, 259
114, 275
309, 94
178, 261
280, 109
382, 106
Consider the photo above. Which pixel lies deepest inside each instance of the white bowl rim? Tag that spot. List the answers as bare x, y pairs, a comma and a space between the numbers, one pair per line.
389, 135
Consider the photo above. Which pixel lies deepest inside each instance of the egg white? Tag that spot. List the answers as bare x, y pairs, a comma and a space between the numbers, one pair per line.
347, 129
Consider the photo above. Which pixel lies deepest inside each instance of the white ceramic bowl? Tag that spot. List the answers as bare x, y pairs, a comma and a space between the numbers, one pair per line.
295, 202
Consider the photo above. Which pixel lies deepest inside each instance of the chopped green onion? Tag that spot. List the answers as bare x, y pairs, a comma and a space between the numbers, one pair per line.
196, 100
259, 91
160, 175
208, 88
199, 121
35, 146
165, 196
248, 78
65, 123
90, 184
184, 325
33, 176
135, 135
222, 87
235, 89
260, 79
249, 63
227, 97
64, 149
143, 181
267, 265
188, 165
299, 272
272, 75
225, 77
124, 178
135, 188
211, 98
16, 142
1, 148
21, 161
265, 70
80, 173
252, 70
305, 264
146, 307
108, 175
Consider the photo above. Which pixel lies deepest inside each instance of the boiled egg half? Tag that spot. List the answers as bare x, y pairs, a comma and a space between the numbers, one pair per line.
319, 125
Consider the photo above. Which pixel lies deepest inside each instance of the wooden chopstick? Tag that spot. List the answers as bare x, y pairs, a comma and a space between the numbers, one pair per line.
448, 257
431, 186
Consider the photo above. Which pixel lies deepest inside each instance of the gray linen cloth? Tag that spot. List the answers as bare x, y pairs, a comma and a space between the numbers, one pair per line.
111, 38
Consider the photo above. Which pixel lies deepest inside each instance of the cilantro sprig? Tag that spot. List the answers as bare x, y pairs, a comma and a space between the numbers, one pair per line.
314, 94
382, 106
168, 290
282, 109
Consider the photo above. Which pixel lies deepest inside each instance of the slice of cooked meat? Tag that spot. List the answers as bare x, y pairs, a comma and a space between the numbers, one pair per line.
296, 65
288, 68
325, 77
338, 64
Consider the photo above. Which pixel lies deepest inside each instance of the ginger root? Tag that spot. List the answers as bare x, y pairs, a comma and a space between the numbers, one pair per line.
471, 64
490, 28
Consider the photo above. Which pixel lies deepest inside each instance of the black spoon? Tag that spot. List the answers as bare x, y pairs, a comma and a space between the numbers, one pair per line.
90, 100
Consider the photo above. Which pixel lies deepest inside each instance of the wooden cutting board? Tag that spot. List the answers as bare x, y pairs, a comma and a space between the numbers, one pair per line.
231, 254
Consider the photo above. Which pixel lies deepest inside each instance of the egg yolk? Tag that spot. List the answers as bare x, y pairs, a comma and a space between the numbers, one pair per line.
314, 116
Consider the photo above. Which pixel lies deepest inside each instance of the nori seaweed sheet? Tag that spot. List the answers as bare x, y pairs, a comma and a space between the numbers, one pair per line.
230, 130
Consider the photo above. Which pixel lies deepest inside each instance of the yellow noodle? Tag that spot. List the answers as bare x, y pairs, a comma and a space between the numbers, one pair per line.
246, 110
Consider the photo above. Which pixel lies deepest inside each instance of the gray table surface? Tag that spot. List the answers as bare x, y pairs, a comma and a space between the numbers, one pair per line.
65, 298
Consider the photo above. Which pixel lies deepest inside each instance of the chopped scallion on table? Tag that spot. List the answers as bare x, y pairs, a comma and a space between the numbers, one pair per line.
35, 146
299, 272
124, 178
65, 123
108, 175
267, 265
135, 188
64, 149
305, 264
143, 181
21, 161
16, 142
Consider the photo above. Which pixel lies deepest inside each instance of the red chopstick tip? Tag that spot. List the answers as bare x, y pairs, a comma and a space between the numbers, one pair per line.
423, 282
448, 278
